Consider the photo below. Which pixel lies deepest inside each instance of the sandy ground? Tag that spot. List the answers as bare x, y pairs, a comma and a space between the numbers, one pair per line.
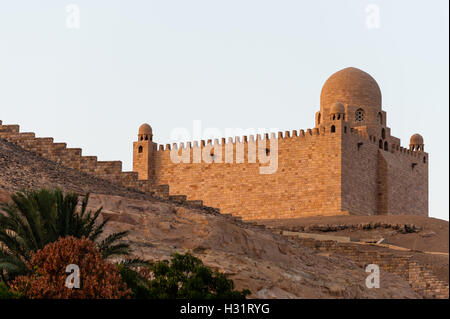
431, 234
267, 263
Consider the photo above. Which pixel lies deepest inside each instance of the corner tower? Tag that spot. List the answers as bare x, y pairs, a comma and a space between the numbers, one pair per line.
143, 151
348, 164
378, 176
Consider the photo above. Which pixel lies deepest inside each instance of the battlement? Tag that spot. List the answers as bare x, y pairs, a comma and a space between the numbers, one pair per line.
297, 135
73, 158
349, 163
246, 139
395, 149
307, 174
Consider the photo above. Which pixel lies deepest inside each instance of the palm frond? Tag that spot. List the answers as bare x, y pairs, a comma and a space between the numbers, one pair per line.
135, 262
35, 218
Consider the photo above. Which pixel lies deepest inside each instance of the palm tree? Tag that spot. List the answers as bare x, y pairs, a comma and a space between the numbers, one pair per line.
36, 218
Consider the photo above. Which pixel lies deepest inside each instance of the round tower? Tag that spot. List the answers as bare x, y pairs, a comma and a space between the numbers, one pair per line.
416, 143
145, 133
143, 150
337, 112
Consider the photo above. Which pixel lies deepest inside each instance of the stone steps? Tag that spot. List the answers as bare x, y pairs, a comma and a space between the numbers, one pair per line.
418, 276
73, 158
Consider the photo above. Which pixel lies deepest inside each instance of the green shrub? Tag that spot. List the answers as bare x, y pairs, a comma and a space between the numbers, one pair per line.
6, 293
36, 218
184, 277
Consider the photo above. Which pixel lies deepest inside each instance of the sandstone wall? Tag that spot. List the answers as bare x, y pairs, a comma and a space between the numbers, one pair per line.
419, 277
72, 158
327, 171
359, 174
307, 181
382, 181
405, 178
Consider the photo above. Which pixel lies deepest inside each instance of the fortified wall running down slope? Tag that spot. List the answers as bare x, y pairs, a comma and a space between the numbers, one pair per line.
347, 164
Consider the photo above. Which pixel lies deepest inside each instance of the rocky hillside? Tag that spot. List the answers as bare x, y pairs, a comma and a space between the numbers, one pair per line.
427, 239
269, 264
20, 169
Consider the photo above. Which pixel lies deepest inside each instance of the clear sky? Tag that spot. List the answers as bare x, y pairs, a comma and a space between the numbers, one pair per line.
231, 64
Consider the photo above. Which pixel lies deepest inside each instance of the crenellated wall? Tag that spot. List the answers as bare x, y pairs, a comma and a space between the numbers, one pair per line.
348, 164
72, 157
306, 182
331, 169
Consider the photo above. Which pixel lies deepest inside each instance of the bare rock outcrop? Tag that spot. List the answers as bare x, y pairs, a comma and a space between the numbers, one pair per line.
270, 265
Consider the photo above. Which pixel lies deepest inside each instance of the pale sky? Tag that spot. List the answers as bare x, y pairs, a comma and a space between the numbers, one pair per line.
230, 64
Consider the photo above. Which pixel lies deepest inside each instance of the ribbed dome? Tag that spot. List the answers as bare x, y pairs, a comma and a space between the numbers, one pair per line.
416, 139
351, 86
145, 129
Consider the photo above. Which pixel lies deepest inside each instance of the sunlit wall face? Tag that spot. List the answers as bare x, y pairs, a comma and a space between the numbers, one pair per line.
91, 72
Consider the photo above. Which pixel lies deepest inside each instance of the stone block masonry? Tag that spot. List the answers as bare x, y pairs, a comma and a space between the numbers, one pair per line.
107, 170
306, 182
419, 277
349, 163
72, 158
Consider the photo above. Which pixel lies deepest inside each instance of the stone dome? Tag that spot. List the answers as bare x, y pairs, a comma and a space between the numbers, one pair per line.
416, 139
351, 86
145, 129
337, 108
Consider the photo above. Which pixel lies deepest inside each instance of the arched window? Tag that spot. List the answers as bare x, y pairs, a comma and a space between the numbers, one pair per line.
386, 146
333, 129
140, 149
359, 115
146, 137
345, 129
380, 118
380, 144
318, 119
424, 159
383, 133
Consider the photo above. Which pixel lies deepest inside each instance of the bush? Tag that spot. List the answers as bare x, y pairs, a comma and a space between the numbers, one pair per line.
98, 278
36, 218
184, 277
6, 293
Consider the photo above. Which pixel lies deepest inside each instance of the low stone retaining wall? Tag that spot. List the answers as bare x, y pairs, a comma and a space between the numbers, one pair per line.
421, 279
